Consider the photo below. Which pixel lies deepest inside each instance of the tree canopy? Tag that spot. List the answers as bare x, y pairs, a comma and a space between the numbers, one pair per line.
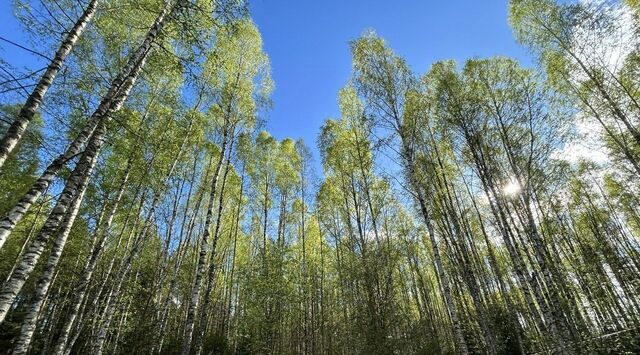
145, 209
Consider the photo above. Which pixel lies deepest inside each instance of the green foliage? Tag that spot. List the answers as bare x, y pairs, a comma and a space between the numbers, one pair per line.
447, 216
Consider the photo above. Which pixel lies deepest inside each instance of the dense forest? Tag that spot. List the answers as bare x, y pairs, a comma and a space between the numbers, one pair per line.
146, 210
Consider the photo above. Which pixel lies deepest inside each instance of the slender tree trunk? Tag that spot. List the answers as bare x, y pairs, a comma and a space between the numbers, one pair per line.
29, 109
233, 258
103, 328
30, 320
454, 218
91, 308
446, 287
100, 238
123, 319
72, 189
212, 262
182, 251
110, 103
27, 240
99, 340
202, 257
303, 269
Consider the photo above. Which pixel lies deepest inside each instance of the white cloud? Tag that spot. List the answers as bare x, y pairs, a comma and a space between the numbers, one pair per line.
586, 145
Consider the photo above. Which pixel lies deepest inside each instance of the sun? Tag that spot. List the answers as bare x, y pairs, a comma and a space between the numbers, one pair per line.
512, 188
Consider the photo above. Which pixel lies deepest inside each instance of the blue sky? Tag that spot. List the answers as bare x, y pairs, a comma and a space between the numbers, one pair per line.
307, 42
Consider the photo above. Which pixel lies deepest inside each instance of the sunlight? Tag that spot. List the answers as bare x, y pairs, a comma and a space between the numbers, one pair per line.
512, 188
450, 201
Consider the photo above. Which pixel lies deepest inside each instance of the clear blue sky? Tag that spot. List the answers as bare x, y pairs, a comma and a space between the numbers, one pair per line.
307, 42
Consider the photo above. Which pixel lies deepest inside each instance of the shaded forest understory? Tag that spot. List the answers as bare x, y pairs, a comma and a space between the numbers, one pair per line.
145, 210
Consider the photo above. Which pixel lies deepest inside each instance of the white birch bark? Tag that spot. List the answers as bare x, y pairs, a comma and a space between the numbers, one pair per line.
102, 116
110, 103
100, 338
72, 190
202, 257
29, 109
212, 265
89, 267
30, 321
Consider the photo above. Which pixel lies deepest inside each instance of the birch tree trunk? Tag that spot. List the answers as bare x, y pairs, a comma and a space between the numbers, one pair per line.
202, 257
212, 265
33, 313
99, 340
446, 287
29, 109
110, 103
101, 117
112, 298
72, 190
227, 327
90, 309
83, 284
182, 251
